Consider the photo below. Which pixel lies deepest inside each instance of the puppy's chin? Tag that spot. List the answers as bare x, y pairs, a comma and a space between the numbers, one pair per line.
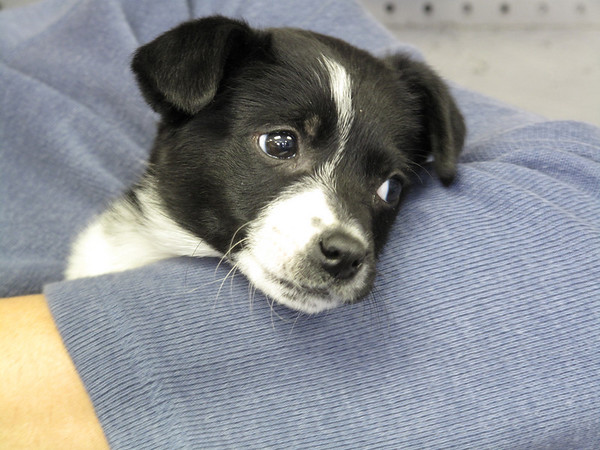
300, 293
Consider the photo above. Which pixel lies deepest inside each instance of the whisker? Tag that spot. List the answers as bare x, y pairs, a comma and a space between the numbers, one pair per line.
271, 302
231, 272
232, 246
187, 270
251, 291
235, 269
225, 257
295, 321
254, 291
378, 308
413, 164
207, 283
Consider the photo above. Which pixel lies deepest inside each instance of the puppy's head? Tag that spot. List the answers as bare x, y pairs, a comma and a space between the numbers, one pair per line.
290, 151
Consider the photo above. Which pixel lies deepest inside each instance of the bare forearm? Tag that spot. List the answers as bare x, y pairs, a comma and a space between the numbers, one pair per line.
43, 403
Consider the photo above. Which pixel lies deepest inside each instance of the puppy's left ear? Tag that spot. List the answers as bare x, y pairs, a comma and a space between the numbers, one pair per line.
180, 71
445, 126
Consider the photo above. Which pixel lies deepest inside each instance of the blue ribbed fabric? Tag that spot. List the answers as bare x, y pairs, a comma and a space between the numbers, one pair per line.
483, 330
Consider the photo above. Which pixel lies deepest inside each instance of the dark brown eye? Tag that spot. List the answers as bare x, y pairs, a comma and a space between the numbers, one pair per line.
279, 144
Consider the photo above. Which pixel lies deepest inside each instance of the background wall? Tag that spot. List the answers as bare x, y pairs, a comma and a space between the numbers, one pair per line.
543, 56
540, 55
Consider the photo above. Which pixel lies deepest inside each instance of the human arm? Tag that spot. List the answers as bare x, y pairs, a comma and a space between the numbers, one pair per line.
43, 401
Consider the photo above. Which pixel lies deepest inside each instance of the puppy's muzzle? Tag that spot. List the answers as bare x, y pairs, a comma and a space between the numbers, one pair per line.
339, 254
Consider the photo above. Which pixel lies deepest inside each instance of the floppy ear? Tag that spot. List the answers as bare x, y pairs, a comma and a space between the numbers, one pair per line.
445, 126
181, 70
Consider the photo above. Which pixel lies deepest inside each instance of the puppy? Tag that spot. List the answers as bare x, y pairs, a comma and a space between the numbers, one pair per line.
285, 151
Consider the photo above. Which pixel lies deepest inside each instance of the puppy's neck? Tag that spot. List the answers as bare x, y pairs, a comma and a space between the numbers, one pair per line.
136, 230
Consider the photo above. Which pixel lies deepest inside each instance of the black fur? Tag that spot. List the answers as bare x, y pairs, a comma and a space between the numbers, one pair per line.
218, 84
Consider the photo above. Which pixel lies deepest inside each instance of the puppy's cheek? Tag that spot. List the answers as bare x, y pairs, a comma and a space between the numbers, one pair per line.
282, 256
282, 235
277, 252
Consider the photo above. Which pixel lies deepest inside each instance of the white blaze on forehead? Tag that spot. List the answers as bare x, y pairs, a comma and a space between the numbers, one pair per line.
341, 91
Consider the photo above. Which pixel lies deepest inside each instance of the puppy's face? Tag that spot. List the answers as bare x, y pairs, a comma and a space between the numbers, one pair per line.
289, 151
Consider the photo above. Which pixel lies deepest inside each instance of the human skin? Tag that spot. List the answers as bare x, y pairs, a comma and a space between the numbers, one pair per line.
43, 403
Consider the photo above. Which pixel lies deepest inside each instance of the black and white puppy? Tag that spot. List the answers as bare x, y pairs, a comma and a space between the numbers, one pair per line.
286, 151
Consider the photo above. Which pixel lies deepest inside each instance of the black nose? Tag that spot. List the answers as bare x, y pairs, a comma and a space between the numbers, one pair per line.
341, 255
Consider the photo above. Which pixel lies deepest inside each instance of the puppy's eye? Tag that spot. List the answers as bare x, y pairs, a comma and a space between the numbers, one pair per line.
390, 191
279, 144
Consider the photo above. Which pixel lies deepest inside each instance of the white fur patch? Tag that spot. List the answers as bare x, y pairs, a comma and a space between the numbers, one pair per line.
279, 245
340, 84
121, 238
287, 227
